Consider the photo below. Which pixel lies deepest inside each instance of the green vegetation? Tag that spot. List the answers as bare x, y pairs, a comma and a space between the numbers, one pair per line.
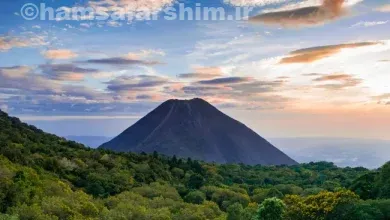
272, 209
46, 177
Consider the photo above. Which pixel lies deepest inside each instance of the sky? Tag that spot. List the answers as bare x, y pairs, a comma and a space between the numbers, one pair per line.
288, 68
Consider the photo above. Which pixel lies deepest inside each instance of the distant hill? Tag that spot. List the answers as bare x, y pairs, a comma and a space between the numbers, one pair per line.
341, 151
194, 128
90, 141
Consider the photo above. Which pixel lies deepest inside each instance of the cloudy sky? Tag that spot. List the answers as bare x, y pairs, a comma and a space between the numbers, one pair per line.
292, 69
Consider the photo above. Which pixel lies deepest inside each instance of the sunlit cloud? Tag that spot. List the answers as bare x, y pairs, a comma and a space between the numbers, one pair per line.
306, 16
309, 55
136, 83
369, 23
67, 72
15, 72
29, 83
144, 54
225, 80
203, 73
384, 8
122, 61
9, 42
382, 99
337, 81
59, 54
333, 77
253, 2
285, 4
307, 3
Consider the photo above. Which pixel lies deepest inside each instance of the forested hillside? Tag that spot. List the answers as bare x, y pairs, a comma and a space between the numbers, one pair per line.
43, 176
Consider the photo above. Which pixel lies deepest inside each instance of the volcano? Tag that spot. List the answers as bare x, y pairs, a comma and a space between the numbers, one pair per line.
196, 129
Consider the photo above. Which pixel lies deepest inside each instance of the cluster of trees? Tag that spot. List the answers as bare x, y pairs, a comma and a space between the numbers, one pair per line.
43, 176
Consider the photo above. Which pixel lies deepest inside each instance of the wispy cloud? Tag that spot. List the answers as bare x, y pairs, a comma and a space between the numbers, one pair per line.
382, 99
240, 92
333, 77
59, 54
122, 61
307, 3
144, 54
15, 72
225, 80
253, 2
337, 81
9, 42
306, 16
286, 4
369, 23
203, 73
24, 81
384, 8
67, 72
312, 54
76, 117
312, 74
136, 83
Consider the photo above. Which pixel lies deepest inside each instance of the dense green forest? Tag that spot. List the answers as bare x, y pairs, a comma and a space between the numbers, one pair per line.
43, 176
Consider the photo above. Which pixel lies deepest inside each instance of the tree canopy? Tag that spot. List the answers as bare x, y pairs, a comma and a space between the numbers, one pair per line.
43, 176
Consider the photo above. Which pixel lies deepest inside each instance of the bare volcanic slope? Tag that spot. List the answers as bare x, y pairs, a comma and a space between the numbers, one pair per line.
194, 128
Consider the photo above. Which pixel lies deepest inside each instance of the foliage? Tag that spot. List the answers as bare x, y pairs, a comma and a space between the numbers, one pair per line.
318, 206
195, 197
43, 176
362, 210
373, 185
235, 211
8, 217
271, 209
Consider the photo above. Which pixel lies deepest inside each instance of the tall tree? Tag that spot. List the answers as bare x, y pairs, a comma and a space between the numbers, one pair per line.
271, 209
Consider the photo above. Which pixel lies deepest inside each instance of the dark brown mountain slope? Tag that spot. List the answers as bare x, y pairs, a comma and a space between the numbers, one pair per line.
194, 128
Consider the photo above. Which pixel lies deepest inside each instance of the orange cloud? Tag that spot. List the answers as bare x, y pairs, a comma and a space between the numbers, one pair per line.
144, 53
385, 96
307, 16
75, 77
203, 73
384, 8
7, 43
15, 72
59, 54
335, 77
309, 55
337, 81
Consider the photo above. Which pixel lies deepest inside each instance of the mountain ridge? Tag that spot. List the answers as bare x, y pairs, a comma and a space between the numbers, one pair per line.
194, 128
